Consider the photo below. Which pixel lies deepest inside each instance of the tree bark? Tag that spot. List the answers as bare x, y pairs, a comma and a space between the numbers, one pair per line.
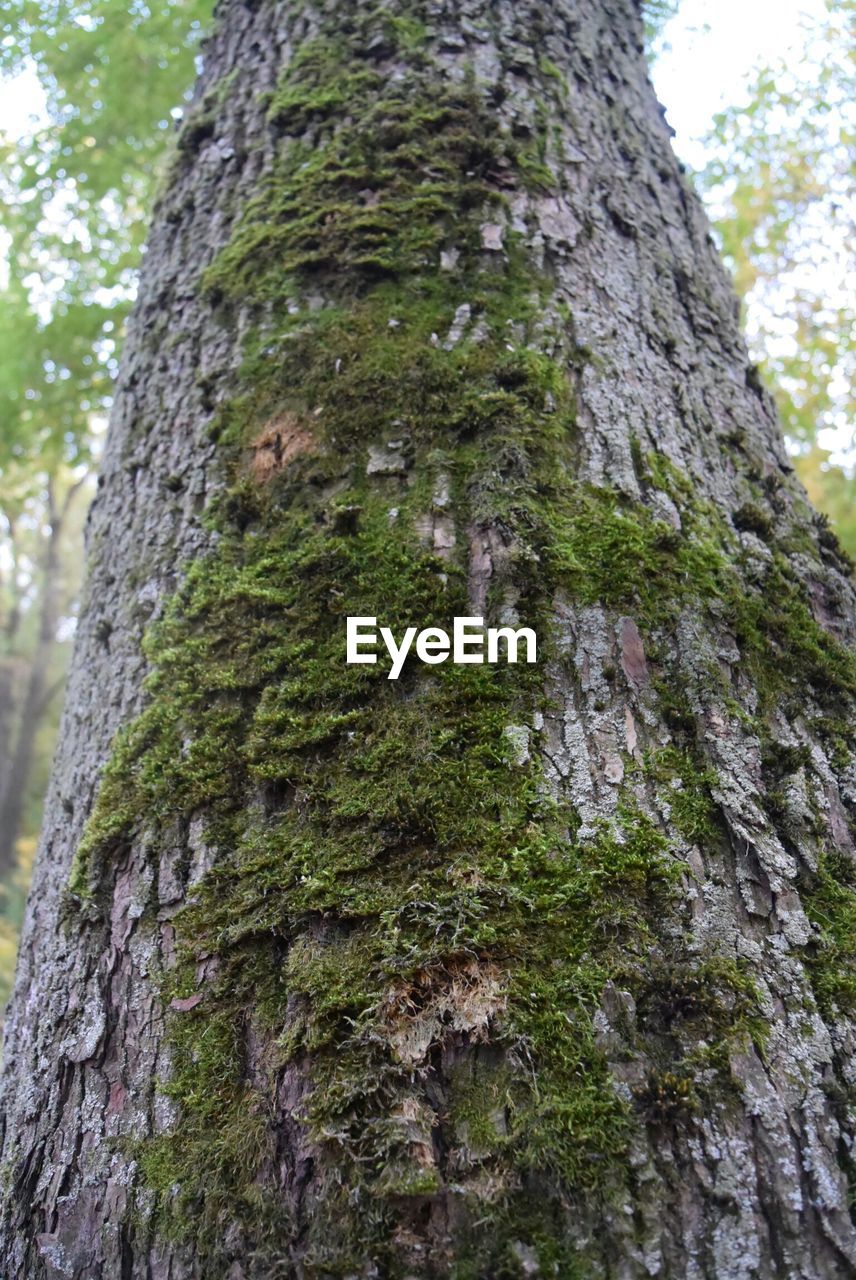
484, 972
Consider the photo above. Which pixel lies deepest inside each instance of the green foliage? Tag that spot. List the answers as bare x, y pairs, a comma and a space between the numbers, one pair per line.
96, 154
830, 488
74, 194
103, 140
657, 13
778, 185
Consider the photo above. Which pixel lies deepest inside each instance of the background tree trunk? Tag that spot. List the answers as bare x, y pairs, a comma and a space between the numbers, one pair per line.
18, 748
10, 664
484, 972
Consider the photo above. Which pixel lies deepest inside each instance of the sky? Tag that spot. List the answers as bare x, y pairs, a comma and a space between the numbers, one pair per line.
711, 48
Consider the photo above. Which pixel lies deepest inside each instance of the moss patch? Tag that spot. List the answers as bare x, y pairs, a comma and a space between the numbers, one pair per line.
829, 898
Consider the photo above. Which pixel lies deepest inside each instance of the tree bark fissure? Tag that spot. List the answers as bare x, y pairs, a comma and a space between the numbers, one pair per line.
475, 974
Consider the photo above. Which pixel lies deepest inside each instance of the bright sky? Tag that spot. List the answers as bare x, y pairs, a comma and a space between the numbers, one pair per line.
21, 103
714, 45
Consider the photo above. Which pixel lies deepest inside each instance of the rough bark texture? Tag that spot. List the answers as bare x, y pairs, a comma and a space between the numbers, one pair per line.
533, 974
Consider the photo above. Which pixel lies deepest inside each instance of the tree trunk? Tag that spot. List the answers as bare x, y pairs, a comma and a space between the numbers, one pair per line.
20, 747
486, 971
9, 670
10, 665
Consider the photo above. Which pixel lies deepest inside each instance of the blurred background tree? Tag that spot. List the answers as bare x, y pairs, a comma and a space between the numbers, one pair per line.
779, 186
76, 187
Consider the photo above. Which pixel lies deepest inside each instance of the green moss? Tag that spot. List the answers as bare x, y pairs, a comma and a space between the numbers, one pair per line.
226, 1128
668, 1098
393, 844
693, 812
319, 84
753, 519
713, 1000
414, 166
481, 1096
829, 898
550, 70
600, 912
394, 851
783, 648
779, 622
